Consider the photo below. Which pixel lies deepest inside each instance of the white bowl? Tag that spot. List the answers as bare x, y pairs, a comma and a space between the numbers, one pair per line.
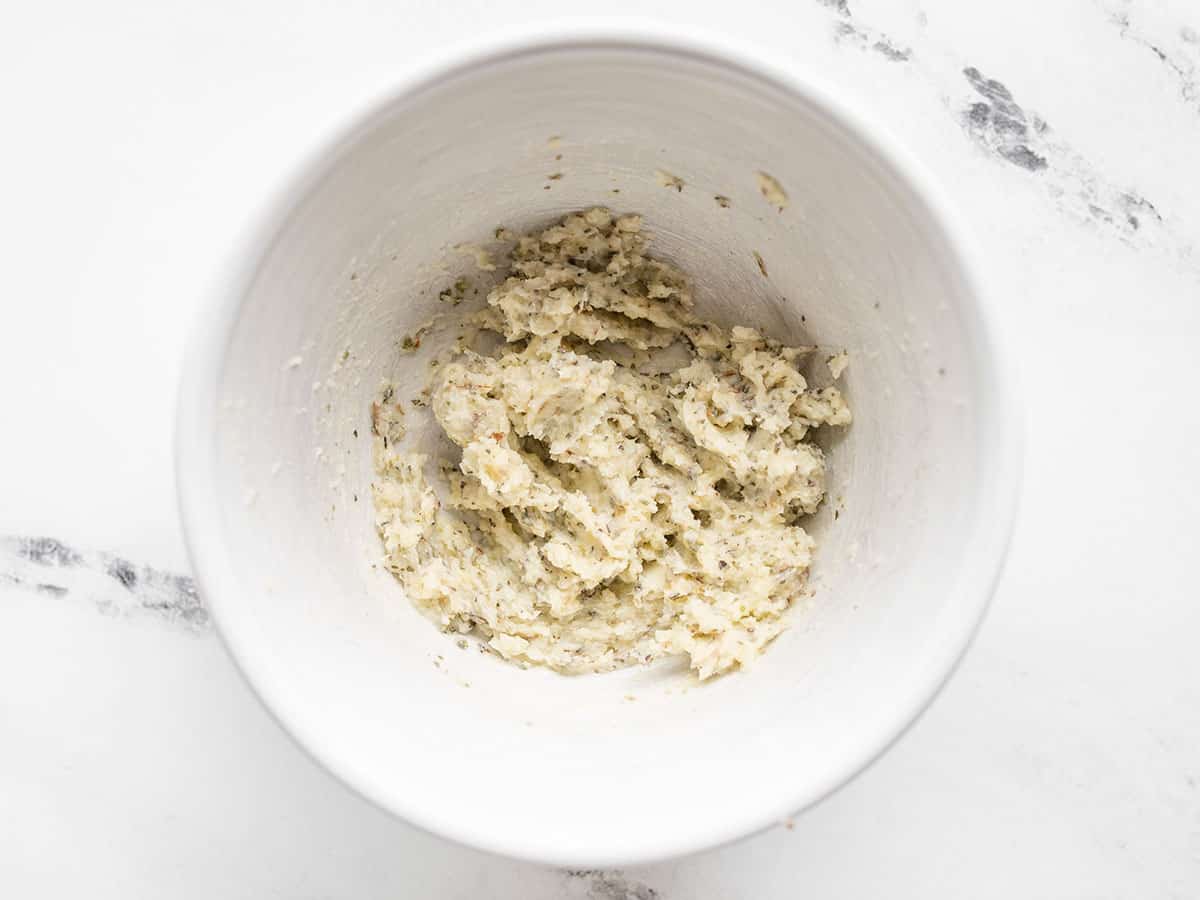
350, 254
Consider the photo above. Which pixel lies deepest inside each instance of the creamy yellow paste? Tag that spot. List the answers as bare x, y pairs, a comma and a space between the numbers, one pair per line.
632, 481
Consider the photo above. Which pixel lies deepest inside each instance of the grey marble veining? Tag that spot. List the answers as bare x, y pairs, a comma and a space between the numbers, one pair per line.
995, 122
608, 885
116, 586
1175, 46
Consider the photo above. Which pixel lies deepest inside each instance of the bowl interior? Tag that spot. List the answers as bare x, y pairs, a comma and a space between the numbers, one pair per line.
639, 763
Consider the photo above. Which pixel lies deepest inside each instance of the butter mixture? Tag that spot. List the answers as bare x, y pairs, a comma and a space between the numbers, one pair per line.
633, 480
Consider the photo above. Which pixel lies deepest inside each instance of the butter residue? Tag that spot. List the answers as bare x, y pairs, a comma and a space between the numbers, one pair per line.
667, 180
772, 190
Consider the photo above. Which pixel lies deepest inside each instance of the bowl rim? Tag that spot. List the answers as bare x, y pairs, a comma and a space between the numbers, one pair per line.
196, 411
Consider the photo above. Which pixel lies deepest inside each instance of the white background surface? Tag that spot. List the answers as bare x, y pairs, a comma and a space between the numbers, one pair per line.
1062, 761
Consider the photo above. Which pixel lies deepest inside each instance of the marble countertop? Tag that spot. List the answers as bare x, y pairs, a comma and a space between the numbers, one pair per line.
1063, 761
